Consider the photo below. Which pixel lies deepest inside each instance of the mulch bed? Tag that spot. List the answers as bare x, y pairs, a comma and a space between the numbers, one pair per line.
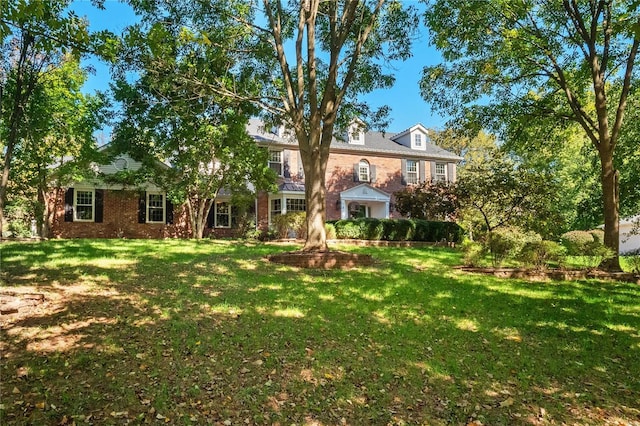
555, 274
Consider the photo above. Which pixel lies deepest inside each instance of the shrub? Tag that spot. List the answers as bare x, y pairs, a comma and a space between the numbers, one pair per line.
598, 235
437, 231
398, 230
295, 222
508, 242
633, 260
347, 229
473, 253
577, 242
595, 253
540, 253
330, 230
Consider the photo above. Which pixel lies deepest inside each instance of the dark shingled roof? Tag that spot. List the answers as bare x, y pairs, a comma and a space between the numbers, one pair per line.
374, 143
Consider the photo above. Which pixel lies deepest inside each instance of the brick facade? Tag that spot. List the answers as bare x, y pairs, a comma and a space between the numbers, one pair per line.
387, 157
120, 220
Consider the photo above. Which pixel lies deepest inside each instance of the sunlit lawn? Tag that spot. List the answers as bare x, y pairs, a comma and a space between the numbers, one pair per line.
188, 332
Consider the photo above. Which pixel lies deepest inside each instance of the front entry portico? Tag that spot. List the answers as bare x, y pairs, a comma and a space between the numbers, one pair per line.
364, 201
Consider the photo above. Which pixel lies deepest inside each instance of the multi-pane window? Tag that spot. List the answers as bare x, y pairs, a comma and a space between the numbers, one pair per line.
223, 215
441, 172
84, 205
412, 171
276, 207
296, 205
275, 162
363, 171
417, 139
155, 208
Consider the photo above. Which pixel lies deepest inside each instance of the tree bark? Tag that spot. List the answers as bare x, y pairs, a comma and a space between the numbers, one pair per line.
315, 194
609, 179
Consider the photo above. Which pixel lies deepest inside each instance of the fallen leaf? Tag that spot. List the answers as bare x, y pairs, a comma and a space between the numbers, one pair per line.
119, 414
15, 390
244, 371
40, 405
507, 402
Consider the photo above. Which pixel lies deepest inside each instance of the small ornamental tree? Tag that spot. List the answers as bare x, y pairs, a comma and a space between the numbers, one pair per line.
429, 200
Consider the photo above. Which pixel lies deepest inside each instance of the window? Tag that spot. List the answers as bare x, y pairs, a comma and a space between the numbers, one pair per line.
275, 162
417, 139
155, 208
355, 137
441, 172
223, 215
84, 208
276, 207
363, 171
296, 205
412, 172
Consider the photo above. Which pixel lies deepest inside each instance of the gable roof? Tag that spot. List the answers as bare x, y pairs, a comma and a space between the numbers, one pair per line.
377, 143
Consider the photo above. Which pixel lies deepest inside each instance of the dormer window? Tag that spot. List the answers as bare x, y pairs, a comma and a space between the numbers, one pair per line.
355, 138
417, 139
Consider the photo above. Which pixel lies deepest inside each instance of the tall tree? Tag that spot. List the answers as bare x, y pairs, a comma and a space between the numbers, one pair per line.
59, 124
326, 54
34, 36
165, 115
572, 60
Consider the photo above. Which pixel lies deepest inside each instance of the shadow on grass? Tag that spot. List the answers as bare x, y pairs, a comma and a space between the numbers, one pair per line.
202, 331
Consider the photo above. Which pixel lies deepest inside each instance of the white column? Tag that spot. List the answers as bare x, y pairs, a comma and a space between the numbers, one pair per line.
386, 210
343, 209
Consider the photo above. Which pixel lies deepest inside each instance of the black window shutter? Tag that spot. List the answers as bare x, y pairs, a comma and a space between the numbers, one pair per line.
99, 205
211, 216
403, 171
68, 205
356, 172
169, 212
372, 173
422, 171
142, 208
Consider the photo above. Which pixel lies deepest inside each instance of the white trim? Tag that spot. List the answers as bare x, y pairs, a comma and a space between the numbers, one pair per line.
75, 204
164, 207
215, 214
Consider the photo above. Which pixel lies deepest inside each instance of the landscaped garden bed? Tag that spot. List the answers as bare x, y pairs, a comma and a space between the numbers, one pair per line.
554, 274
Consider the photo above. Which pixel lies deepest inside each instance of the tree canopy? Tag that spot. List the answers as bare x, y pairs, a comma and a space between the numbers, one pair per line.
319, 56
179, 52
511, 63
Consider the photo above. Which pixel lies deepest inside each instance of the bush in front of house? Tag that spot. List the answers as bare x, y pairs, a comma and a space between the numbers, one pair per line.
330, 230
504, 243
539, 254
293, 222
398, 230
577, 242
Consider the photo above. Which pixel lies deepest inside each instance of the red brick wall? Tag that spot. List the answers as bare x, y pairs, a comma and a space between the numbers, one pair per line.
120, 220
339, 177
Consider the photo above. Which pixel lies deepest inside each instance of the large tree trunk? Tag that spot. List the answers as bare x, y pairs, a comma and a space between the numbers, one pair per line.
609, 178
315, 193
314, 156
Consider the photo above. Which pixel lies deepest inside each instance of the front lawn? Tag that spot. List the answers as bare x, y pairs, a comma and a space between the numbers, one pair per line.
197, 332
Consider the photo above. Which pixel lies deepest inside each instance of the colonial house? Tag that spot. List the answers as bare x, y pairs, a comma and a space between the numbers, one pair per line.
365, 168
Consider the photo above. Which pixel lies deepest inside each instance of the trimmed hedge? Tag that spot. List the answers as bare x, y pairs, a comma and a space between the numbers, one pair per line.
397, 230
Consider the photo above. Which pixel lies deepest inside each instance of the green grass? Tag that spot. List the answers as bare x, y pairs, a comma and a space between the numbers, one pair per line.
193, 332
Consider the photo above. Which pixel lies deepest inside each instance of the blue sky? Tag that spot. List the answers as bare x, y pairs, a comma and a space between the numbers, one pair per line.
407, 107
